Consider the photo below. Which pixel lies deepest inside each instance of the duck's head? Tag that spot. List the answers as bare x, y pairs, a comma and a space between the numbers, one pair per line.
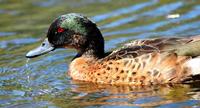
72, 31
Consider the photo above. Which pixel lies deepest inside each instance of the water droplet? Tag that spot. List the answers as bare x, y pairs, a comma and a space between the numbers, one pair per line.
27, 62
27, 66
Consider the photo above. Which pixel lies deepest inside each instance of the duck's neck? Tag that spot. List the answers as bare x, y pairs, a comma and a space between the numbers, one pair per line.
95, 45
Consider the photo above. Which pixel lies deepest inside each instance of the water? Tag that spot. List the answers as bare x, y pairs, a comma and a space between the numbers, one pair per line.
43, 81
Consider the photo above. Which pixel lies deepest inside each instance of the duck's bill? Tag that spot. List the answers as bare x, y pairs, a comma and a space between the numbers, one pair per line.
44, 48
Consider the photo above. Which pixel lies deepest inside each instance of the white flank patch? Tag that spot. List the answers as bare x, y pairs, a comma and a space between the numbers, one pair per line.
194, 65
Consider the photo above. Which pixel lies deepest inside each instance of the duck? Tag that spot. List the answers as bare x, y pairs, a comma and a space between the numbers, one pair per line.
152, 61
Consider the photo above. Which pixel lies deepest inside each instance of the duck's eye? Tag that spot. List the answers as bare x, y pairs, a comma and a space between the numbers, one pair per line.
60, 30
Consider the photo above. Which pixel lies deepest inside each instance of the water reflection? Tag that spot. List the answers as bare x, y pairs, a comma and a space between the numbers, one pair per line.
4, 44
162, 10
90, 94
187, 16
46, 3
6, 34
122, 11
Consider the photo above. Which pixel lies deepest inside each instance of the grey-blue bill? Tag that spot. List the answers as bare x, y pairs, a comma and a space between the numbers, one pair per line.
44, 48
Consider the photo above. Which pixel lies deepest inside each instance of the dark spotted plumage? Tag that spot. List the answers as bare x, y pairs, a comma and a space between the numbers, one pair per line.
131, 52
140, 62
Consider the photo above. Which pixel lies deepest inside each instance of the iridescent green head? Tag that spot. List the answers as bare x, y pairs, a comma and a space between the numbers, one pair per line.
68, 25
75, 22
74, 31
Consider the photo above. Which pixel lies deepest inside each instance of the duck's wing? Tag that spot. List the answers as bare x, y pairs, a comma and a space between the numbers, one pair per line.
137, 48
163, 44
188, 46
130, 52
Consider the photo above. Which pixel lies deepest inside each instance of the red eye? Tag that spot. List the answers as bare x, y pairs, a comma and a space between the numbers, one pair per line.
60, 30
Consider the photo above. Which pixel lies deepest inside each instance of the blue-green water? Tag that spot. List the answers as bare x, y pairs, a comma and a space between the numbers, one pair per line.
43, 82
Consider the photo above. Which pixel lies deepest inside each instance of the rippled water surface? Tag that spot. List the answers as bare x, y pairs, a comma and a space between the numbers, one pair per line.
43, 82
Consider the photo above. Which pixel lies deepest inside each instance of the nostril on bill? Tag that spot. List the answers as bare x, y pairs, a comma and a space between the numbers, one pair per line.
43, 44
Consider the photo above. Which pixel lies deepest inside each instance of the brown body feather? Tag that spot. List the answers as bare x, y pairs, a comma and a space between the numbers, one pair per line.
141, 62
